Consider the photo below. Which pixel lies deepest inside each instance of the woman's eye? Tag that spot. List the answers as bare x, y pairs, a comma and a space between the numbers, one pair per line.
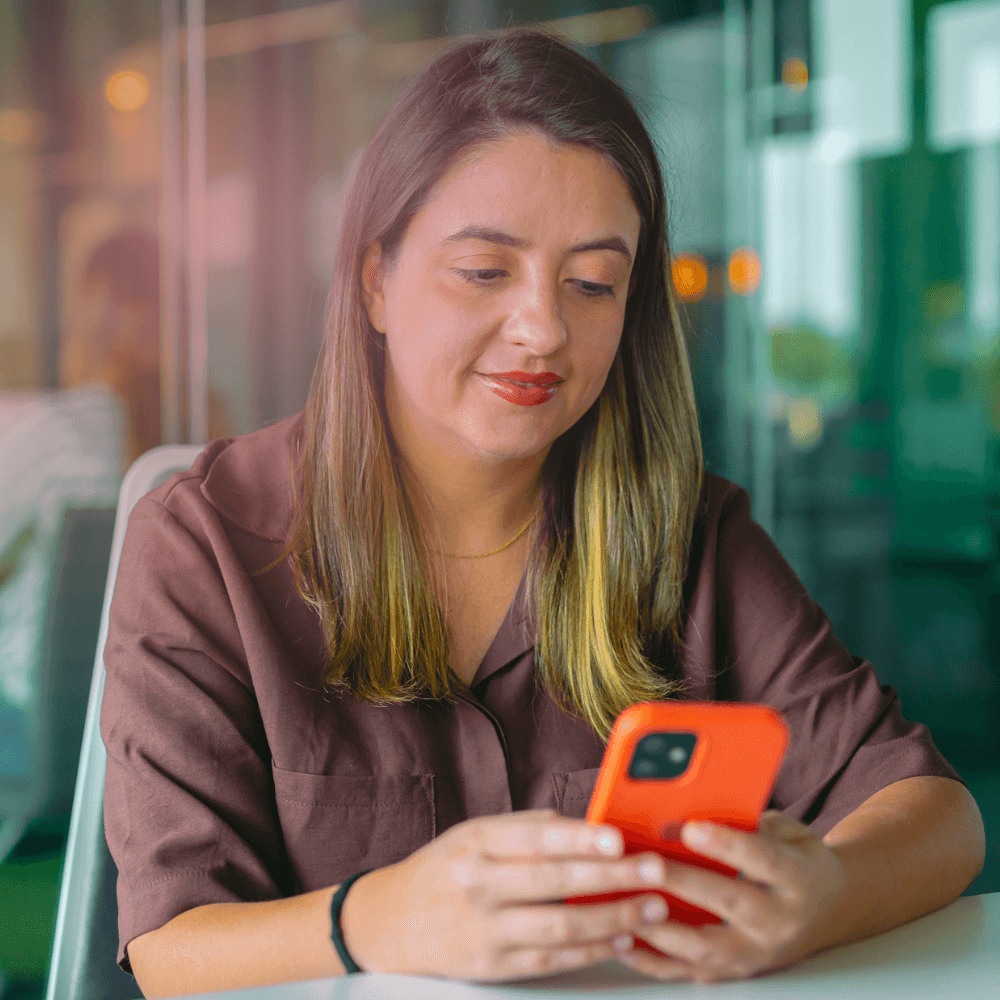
481, 274
594, 290
590, 289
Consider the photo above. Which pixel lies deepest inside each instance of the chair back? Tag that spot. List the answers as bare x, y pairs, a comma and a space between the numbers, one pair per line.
60, 477
85, 943
40, 744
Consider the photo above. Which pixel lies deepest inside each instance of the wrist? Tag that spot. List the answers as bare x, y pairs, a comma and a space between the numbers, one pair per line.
359, 931
840, 917
337, 901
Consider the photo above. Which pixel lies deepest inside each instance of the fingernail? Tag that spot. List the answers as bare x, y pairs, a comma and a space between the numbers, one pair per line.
608, 842
653, 911
623, 943
696, 833
650, 871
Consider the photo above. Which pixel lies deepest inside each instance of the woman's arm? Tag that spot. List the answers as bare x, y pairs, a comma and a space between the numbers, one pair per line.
910, 848
227, 946
477, 902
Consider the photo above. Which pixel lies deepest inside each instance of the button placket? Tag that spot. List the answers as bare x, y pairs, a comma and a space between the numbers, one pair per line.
505, 794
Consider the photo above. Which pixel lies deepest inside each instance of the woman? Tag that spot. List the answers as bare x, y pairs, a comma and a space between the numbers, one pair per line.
482, 574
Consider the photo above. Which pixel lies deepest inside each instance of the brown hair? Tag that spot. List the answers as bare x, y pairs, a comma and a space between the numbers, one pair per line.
619, 489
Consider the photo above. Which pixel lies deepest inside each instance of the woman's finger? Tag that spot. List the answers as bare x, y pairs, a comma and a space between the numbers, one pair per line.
524, 962
735, 901
705, 954
763, 858
664, 968
559, 925
543, 833
700, 946
507, 882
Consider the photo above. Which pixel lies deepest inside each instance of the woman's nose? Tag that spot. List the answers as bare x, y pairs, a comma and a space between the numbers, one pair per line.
537, 318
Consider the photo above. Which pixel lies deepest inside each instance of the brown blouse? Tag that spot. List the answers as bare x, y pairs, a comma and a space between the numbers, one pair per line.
232, 777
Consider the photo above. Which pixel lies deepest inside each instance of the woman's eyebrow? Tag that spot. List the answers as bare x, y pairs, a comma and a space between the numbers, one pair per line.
475, 232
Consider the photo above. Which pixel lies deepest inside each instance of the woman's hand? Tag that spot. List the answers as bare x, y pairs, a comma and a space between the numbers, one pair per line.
483, 900
781, 910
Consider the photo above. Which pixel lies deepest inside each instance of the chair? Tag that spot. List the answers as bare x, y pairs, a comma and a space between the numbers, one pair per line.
43, 743
60, 456
83, 964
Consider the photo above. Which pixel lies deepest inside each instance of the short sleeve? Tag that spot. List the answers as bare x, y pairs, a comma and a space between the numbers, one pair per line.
189, 804
848, 737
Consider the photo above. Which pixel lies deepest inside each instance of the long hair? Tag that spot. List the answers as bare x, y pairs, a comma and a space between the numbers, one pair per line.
619, 489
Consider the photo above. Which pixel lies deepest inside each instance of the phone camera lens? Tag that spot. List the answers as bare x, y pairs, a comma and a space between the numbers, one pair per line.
662, 755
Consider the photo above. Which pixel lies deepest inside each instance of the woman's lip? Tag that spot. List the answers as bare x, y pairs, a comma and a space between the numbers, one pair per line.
526, 378
522, 395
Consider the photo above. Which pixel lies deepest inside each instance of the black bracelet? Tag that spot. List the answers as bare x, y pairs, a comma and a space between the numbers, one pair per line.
350, 966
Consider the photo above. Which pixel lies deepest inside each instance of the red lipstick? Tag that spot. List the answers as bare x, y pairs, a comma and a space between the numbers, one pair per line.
540, 388
545, 378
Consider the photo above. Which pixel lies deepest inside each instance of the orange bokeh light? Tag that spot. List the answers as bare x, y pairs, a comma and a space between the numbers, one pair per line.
690, 277
744, 271
127, 90
795, 74
16, 127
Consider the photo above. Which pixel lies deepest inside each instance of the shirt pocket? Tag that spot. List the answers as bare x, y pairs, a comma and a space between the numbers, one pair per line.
573, 790
336, 825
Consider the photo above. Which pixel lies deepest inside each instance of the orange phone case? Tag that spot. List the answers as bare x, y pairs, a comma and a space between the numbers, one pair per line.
732, 770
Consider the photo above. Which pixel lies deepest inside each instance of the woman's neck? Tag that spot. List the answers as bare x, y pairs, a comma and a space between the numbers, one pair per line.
471, 508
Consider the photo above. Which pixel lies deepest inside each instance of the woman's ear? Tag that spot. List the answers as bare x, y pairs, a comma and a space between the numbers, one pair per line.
371, 281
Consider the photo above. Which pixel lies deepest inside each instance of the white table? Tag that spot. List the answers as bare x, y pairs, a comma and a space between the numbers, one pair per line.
954, 952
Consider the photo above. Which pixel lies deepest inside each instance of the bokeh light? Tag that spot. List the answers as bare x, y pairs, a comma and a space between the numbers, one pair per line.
17, 127
805, 422
795, 74
690, 277
127, 90
744, 271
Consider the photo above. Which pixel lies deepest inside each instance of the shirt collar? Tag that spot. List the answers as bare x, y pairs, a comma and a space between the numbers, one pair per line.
249, 479
249, 482
515, 636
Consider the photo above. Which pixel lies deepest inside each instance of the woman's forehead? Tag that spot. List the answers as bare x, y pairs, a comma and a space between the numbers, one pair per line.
525, 184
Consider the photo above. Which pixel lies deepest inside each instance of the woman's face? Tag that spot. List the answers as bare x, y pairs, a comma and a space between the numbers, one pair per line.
519, 262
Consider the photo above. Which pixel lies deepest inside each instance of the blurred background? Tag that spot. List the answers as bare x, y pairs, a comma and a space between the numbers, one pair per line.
170, 179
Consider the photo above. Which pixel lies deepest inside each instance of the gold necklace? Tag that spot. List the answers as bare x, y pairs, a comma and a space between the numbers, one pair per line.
495, 551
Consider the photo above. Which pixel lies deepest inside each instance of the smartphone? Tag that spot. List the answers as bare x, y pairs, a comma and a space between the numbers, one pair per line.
667, 763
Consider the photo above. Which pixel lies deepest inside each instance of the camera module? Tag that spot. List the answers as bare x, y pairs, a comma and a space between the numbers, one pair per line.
662, 755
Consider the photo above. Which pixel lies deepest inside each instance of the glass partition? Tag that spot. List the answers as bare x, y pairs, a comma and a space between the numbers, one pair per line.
170, 185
